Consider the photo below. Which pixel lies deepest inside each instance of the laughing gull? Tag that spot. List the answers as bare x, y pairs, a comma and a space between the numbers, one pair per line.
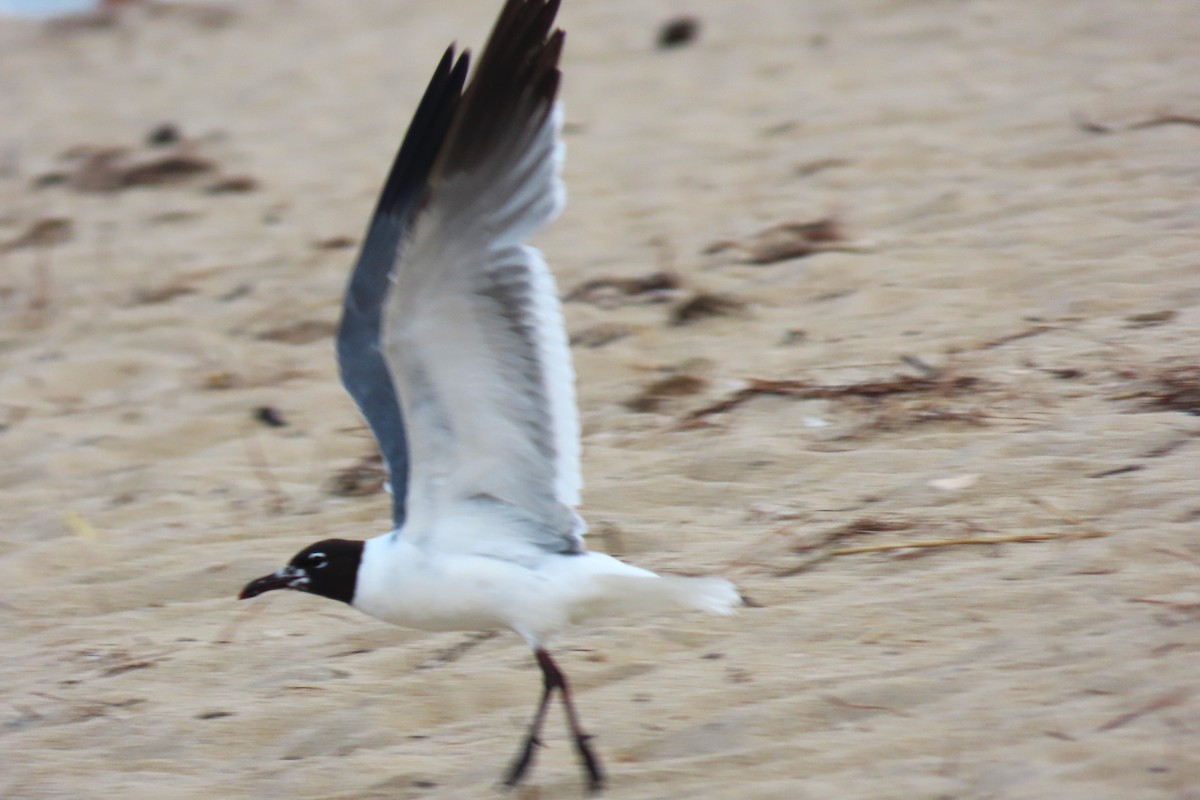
451, 323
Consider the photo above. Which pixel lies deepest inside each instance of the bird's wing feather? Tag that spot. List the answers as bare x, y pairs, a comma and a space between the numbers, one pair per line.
361, 363
473, 331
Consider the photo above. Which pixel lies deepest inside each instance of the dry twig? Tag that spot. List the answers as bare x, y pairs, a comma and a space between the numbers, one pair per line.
807, 390
1085, 531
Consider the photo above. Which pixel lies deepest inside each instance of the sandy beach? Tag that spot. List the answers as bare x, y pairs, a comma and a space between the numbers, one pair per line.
946, 434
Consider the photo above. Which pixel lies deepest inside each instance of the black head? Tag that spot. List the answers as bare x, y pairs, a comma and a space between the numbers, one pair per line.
328, 568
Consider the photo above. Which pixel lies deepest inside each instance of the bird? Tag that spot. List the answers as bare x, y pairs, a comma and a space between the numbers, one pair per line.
453, 347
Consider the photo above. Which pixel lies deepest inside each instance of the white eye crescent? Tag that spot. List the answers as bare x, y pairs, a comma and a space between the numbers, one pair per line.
317, 560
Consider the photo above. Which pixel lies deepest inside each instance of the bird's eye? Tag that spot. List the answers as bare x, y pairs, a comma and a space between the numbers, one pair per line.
317, 560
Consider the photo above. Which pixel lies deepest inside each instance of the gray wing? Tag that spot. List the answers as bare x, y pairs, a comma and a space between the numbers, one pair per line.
361, 363
473, 330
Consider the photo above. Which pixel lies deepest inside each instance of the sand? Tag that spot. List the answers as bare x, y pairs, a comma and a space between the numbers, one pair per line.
1015, 188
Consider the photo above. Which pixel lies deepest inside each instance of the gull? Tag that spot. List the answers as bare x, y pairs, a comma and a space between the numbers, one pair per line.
453, 347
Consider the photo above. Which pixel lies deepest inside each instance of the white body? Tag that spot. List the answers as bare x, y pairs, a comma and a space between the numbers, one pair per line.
535, 593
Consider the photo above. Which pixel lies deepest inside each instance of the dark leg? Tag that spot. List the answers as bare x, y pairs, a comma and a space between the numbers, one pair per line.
590, 763
552, 678
532, 741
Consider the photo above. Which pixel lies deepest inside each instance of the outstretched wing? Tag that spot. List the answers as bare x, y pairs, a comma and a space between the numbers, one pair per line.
360, 357
473, 331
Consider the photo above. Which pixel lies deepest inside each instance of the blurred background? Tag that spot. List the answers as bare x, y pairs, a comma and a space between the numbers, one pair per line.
888, 311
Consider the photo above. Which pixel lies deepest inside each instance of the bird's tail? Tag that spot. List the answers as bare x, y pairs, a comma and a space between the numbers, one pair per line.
713, 595
654, 594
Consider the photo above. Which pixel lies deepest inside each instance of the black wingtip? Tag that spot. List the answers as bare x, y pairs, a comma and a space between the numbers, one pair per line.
426, 134
516, 80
